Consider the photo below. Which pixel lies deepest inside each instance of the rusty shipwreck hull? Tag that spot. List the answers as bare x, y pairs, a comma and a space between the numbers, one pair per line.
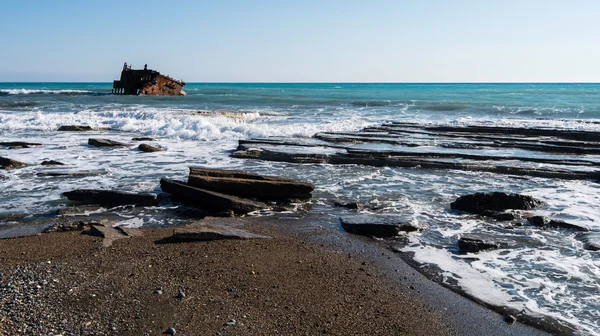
146, 82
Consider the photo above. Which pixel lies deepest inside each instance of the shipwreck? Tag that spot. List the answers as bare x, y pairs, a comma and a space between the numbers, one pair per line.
146, 82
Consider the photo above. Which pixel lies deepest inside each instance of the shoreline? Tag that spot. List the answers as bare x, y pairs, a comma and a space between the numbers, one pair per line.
341, 282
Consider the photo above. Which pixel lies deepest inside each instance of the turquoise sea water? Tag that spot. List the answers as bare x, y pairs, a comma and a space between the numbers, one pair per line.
559, 281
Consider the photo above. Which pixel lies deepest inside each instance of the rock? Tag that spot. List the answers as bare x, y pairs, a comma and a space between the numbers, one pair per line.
210, 200
229, 323
108, 233
149, 148
65, 173
7, 163
52, 163
378, 225
499, 216
272, 189
64, 227
142, 139
348, 205
106, 143
129, 231
591, 240
510, 319
180, 294
544, 222
2, 177
170, 331
19, 144
201, 232
476, 243
496, 201
74, 128
109, 197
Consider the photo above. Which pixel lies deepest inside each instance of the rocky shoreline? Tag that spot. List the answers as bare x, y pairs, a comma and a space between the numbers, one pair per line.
31, 265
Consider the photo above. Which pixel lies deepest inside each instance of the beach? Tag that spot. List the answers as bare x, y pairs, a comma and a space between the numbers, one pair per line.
68, 283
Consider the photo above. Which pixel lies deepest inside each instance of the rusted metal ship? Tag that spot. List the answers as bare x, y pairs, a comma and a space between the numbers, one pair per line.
146, 82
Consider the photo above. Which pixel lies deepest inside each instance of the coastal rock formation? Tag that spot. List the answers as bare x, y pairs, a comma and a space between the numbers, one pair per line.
478, 203
19, 144
7, 163
110, 234
499, 215
149, 148
417, 146
74, 128
545, 223
109, 197
249, 185
209, 200
68, 173
106, 143
378, 225
142, 139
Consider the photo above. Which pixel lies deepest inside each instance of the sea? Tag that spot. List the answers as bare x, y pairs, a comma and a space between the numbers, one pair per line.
557, 279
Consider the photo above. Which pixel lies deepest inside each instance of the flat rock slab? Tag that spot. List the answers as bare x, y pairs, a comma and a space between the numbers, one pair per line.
546, 223
7, 163
142, 139
478, 203
64, 173
209, 200
19, 144
149, 148
378, 225
109, 234
198, 171
74, 128
129, 231
253, 188
106, 143
203, 232
110, 197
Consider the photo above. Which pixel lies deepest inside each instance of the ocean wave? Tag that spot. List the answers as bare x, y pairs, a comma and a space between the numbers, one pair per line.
41, 91
17, 104
179, 123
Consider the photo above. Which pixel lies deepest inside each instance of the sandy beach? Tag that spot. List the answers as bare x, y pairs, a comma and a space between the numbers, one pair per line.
306, 280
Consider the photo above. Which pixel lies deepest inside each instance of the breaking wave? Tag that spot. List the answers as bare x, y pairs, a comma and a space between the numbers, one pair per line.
41, 91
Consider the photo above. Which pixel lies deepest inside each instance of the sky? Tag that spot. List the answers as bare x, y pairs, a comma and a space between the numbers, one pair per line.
303, 41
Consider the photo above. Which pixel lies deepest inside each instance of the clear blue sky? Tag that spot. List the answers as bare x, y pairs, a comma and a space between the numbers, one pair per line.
303, 41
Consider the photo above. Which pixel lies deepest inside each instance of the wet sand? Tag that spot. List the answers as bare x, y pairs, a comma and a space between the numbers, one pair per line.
306, 280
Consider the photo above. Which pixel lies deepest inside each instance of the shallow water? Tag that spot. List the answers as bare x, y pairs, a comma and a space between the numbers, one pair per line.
553, 276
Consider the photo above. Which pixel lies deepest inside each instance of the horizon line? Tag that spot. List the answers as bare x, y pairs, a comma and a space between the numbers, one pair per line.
302, 82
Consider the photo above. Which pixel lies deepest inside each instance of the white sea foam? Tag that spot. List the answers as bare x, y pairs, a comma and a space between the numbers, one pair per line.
40, 91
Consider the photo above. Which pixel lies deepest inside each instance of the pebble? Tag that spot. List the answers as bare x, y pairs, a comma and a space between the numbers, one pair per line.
510, 319
180, 294
158, 291
231, 322
170, 331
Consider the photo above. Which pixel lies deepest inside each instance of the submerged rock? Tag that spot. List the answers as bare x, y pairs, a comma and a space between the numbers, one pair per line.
498, 215
544, 222
109, 197
378, 225
7, 163
347, 205
19, 144
106, 143
74, 128
142, 139
209, 200
52, 163
476, 243
149, 148
591, 241
496, 201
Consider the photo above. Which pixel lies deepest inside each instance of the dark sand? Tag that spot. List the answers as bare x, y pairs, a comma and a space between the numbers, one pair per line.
305, 281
